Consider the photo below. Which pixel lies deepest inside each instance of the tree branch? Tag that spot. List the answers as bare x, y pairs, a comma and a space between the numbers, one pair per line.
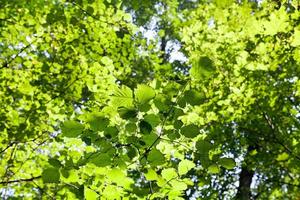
164, 122
6, 64
274, 129
20, 180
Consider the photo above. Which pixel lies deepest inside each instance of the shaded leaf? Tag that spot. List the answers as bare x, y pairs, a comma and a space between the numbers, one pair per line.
127, 113
191, 97
155, 157
111, 132
54, 162
190, 131
51, 175
72, 129
98, 123
101, 160
131, 152
145, 127
203, 146
202, 68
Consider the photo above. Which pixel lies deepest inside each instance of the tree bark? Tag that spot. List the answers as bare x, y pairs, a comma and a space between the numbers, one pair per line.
244, 192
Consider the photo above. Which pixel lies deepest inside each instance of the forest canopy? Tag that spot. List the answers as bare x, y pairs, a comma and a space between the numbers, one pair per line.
158, 99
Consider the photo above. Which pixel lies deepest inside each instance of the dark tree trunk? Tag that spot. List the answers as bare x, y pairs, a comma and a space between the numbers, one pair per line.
163, 46
245, 180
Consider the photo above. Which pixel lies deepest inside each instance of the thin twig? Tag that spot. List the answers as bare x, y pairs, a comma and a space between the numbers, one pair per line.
274, 129
164, 122
6, 64
20, 180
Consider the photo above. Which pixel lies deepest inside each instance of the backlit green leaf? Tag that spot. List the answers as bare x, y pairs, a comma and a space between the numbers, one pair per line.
169, 173
227, 163
90, 194
144, 93
213, 169
122, 97
282, 157
177, 185
184, 166
151, 175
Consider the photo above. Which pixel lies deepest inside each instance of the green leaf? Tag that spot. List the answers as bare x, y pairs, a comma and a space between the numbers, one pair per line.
283, 156
169, 173
55, 163
152, 119
172, 134
111, 132
145, 127
278, 22
123, 97
162, 102
144, 107
148, 139
202, 68
296, 39
26, 88
213, 169
161, 33
127, 17
178, 185
144, 93
101, 160
155, 157
131, 127
190, 131
98, 123
184, 166
51, 175
224, 3
78, 191
72, 129
90, 10
116, 175
227, 163
65, 172
203, 146
90, 194
191, 97
151, 175
131, 152
106, 61
126, 113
